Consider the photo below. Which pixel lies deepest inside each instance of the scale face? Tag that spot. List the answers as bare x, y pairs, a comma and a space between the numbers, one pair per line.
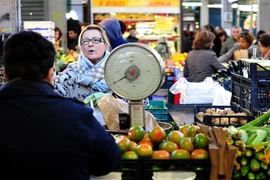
134, 71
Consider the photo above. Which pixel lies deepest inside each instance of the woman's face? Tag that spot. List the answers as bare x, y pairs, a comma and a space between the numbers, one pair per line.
56, 35
242, 43
262, 48
93, 51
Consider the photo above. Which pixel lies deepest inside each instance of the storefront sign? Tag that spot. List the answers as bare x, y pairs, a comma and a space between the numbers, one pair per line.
137, 3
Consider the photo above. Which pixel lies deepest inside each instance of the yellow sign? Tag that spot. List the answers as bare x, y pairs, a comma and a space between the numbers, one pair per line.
136, 3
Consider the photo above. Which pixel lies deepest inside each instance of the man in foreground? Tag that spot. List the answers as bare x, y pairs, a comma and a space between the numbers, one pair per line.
43, 135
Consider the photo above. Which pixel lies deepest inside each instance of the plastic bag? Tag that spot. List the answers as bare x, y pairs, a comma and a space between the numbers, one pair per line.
222, 97
111, 107
193, 88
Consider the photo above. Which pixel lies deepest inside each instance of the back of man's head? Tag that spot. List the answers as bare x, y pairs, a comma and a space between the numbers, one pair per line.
27, 55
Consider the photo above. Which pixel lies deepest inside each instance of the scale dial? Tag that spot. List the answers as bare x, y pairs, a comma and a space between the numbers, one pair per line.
134, 71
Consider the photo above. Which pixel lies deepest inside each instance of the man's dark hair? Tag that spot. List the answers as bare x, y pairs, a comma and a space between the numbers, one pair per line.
265, 40
28, 55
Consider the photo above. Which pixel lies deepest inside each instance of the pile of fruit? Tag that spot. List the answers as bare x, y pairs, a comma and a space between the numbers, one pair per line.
186, 143
253, 142
62, 59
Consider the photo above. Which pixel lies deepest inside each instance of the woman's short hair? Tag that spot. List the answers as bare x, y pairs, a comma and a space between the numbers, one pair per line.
265, 40
247, 36
203, 40
96, 27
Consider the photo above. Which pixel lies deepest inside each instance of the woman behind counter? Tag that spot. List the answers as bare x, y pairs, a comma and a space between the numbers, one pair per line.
244, 42
86, 76
202, 61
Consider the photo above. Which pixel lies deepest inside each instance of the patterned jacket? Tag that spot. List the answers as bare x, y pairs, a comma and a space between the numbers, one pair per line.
82, 78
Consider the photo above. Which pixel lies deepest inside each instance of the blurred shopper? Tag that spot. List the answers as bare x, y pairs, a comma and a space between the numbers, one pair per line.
217, 42
58, 39
163, 48
86, 76
264, 46
220, 29
202, 61
222, 37
113, 31
123, 27
132, 36
43, 135
241, 49
259, 34
72, 39
229, 43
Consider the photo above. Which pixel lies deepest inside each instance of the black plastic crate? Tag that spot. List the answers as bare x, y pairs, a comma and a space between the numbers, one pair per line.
255, 71
144, 168
224, 119
250, 94
200, 167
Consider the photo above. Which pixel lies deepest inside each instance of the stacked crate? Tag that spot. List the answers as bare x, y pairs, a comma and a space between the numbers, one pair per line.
158, 109
251, 87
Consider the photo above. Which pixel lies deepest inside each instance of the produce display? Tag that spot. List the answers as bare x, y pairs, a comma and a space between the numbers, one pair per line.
253, 155
221, 115
187, 143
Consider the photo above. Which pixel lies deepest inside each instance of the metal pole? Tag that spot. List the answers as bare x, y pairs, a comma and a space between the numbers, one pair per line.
19, 20
251, 17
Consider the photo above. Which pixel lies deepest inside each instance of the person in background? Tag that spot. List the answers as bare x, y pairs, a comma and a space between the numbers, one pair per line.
222, 37
123, 27
217, 42
229, 43
259, 34
163, 49
187, 41
43, 135
244, 42
132, 36
264, 46
72, 39
113, 31
219, 29
86, 76
202, 61
58, 39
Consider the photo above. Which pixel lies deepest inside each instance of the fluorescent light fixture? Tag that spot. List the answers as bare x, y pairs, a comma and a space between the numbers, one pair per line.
234, 5
231, 1
191, 4
215, 5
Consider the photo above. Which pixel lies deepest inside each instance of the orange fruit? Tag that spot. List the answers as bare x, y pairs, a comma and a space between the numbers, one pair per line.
129, 155
144, 150
136, 133
146, 136
169, 146
146, 141
157, 134
123, 143
175, 136
161, 154
192, 131
199, 154
187, 144
184, 129
201, 141
133, 145
180, 154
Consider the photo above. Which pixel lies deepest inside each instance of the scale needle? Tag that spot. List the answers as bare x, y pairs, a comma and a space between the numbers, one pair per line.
119, 80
